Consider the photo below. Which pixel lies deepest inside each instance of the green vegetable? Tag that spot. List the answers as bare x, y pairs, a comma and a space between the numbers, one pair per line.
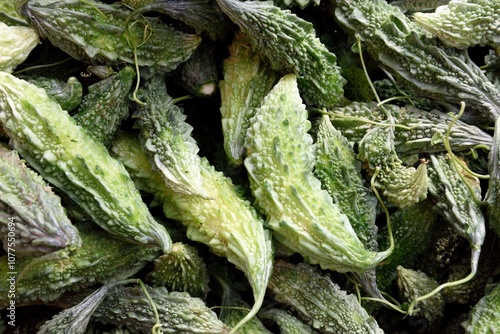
168, 141
402, 185
247, 79
178, 312
461, 24
456, 201
398, 45
416, 283
16, 43
290, 45
181, 269
339, 172
106, 105
485, 316
287, 323
75, 319
67, 157
217, 215
68, 94
32, 219
280, 167
97, 32
319, 301
417, 130
101, 259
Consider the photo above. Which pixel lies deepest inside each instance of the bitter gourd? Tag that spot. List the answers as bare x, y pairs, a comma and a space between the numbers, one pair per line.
401, 185
67, 157
417, 130
68, 94
106, 105
97, 32
33, 221
100, 259
416, 283
461, 24
181, 269
319, 301
485, 316
290, 44
221, 218
280, 167
447, 76
178, 312
247, 79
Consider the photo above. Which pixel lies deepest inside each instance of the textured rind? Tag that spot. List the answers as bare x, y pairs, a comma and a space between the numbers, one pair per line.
75, 319
319, 301
67, 157
454, 200
67, 94
423, 131
280, 167
401, 185
413, 229
413, 284
247, 79
40, 222
485, 317
286, 322
106, 105
97, 32
290, 44
296, 3
398, 44
179, 313
16, 44
339, 172
464, 23
222, 219
168, 140
181, 269
493, 195
101, 259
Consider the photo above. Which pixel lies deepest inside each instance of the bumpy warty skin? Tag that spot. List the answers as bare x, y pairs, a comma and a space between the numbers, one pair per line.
40, 223
447, 76
216, 215
319, 301
96, 32
464, 23
290, 44
70, 159
280, 167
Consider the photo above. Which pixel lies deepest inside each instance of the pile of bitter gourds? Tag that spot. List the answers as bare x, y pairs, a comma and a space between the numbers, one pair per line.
227, 166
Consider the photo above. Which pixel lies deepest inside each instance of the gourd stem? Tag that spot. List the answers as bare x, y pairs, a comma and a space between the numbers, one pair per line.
474, 264
157, 324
